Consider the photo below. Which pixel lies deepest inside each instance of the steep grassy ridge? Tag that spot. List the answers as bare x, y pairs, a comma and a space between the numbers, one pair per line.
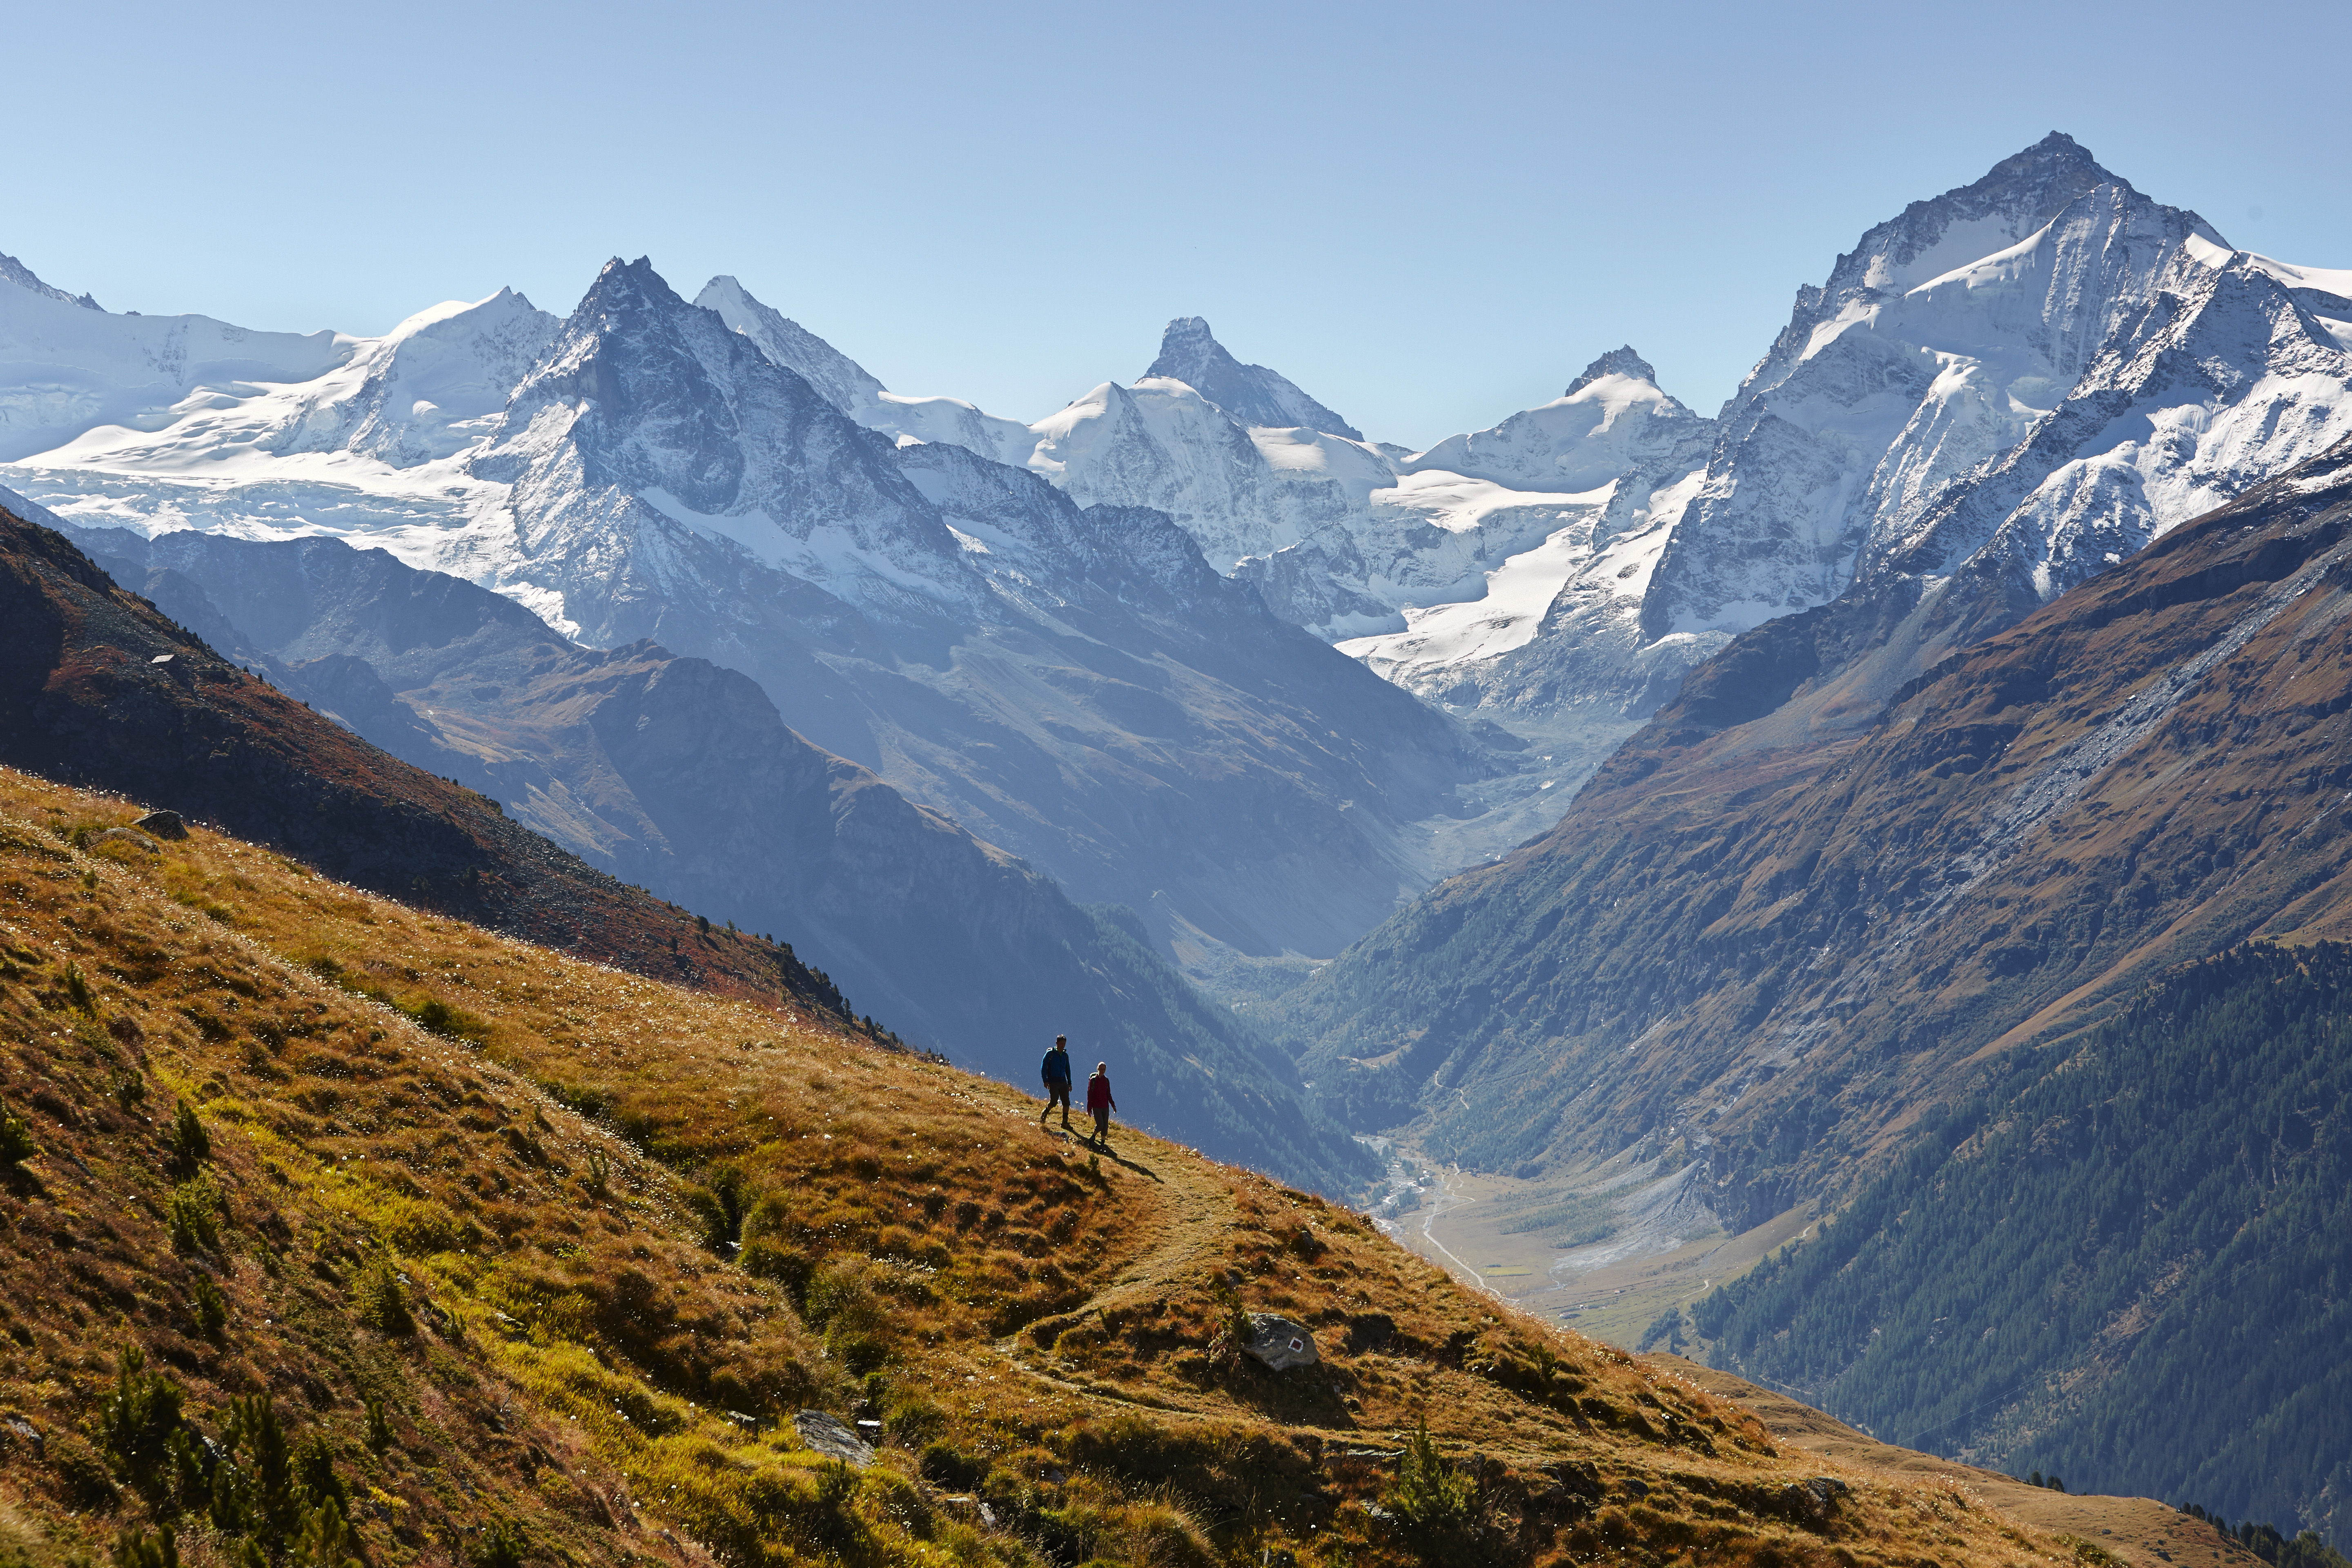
332, 1228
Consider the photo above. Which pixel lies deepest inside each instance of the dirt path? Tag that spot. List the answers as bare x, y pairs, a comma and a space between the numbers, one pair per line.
1197, 1217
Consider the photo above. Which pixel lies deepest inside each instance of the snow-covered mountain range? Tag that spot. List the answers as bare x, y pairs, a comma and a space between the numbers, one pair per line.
2012, 385
1073, 684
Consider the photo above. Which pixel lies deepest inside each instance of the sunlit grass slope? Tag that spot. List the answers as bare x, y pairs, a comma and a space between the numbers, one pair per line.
330, 1230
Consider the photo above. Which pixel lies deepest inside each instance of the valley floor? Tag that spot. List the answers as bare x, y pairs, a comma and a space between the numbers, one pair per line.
1656, 1258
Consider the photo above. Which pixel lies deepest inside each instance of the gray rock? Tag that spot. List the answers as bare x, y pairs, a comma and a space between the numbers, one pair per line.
833, 1437
163, 825
1279, 1342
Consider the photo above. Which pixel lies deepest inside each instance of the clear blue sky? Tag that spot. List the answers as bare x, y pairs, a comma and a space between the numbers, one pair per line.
1428, 217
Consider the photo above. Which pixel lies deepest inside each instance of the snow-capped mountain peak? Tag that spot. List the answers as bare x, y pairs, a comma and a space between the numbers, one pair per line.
1616, 361
1251, 394
1934, 346
430, 388
14, 272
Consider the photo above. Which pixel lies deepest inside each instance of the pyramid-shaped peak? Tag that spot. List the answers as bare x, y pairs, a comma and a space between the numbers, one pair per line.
2009, 201
1616, 361
1251, 394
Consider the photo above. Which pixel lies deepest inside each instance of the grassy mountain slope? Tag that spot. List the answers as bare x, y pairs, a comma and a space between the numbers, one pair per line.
1782, 949
97, 688
321, 1212
2124, 1261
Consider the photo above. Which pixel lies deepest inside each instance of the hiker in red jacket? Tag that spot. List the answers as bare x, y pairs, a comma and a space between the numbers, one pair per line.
1099, 1101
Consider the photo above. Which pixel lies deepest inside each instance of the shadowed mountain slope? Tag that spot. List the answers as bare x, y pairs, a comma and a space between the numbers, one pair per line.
2114, 1262
97, 688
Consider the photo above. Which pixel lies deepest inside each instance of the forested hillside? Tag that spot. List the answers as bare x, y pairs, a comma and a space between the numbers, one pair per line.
2127, 1260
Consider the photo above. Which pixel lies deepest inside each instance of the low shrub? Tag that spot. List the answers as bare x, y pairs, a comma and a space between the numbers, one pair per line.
381, 1303
17, 1144
191, 1144
192, 1215
137, 1420
944, 1465
208, 1307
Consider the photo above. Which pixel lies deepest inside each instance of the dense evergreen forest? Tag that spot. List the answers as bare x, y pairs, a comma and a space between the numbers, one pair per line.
2127, 1259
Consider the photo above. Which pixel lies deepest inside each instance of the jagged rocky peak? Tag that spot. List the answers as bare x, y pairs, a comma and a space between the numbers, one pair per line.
845, 384
17, 272
1252, 394
1616, 361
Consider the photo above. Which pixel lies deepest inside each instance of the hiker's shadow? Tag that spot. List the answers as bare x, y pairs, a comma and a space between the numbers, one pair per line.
1104, 1152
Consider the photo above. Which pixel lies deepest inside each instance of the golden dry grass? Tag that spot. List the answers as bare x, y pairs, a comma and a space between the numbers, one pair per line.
636, 1227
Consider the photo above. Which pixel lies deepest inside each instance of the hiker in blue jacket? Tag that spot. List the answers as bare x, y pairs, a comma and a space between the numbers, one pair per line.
1056, 1073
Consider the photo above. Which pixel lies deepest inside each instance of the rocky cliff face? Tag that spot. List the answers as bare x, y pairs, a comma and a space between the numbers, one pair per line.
1778, 943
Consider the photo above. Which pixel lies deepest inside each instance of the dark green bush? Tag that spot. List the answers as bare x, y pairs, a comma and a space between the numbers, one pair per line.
137, 1419
501, 1545
1428, 1495
208, 1308
191, 1144
314, 1472
136, 1548
192, 1215
945, 1466
17, 1143
381, 1303
328, 1540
